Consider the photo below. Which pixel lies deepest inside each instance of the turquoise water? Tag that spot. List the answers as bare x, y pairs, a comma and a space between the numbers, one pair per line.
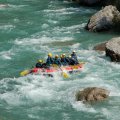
29, 29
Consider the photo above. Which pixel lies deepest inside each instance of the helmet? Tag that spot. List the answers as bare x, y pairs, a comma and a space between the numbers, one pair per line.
74, 51
56, 56
40, 61
69, 56
50, 54
63, 54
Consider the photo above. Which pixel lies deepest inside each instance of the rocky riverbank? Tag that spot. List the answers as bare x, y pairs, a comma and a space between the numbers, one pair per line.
105, 19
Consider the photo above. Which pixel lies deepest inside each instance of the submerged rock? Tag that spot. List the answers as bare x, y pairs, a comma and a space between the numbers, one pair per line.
113, 49
92, 94
105, 19
100, 47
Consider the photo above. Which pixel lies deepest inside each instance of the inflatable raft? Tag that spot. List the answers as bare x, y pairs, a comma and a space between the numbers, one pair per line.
54, 70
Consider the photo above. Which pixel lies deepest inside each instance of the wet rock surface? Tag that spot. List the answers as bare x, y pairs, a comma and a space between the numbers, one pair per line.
92, 94
113, 49
105, 19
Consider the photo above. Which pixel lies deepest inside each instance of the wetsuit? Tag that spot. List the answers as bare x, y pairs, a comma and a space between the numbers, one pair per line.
64, 61
49, 61
67, 60
74, 56
39, 65
72, 61
57, 61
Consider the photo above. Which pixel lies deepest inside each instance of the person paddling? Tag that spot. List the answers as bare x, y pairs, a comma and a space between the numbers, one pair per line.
74, 56
57, 60
63, 60
72, 61
39, 64
49, 60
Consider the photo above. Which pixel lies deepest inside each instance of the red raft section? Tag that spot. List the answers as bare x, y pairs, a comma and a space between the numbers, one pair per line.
51, 70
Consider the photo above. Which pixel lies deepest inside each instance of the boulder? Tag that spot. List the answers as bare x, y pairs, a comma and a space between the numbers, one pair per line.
92, 94
105, 19
113, 49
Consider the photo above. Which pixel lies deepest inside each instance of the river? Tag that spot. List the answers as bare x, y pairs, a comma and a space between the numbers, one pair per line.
29, 29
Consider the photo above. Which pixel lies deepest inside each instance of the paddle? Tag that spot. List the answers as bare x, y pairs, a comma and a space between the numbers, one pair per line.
25, 72
64, 74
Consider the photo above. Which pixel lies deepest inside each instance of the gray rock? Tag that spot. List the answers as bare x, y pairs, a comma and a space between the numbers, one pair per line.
113, 49
92, 94
105, 19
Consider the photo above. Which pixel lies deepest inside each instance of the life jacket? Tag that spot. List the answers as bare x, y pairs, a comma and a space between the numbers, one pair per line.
49, 61
57, 61
74, 56
38, 65
64, 61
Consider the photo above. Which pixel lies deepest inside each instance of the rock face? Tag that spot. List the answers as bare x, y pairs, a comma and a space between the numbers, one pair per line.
88, 2
104, 19
113, 49
92, 94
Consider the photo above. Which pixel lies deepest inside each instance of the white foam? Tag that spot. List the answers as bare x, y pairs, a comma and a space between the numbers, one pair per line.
11, 98
44, 26
3, 6
70, 29
16, 6
40, 41
75, 46
7, 27
7, 54
52, 21
79, 106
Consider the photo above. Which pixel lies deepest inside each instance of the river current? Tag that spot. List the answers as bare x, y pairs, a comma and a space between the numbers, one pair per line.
29, 29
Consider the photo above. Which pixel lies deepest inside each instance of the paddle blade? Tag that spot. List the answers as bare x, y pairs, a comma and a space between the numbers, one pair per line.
25, 72
54, 65
65, 75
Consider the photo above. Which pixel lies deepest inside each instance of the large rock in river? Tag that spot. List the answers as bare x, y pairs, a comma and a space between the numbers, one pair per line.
104, 19
92, 94
113, 49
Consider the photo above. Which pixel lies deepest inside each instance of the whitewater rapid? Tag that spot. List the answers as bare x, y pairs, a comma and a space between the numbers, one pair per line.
29, 30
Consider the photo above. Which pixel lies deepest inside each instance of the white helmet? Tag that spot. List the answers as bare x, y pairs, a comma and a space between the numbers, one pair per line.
74, 51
